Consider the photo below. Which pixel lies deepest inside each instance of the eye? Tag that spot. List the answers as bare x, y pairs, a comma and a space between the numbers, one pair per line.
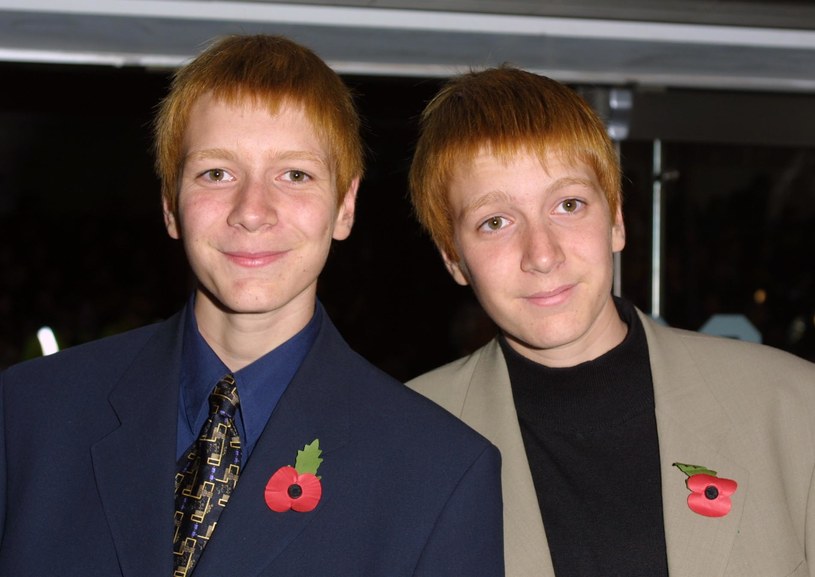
493, 223
297, 176
217, 175
570, 205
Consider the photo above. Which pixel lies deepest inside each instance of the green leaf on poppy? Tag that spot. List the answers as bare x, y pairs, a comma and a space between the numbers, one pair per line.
691, 470
308, 459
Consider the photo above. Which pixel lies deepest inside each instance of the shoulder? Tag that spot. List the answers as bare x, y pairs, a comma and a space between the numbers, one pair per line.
417, 418
724, 355
754, 381
97, 360
453, 379
382, 407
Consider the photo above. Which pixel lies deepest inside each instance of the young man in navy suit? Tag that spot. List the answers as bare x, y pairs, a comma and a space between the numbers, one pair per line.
318, 463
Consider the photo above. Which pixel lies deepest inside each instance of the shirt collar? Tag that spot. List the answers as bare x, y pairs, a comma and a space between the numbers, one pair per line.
260, 384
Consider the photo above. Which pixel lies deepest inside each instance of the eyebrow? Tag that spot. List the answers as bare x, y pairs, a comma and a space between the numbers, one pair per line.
502, 196
210, 153
303, 155
226, 154
484, 199
567, 181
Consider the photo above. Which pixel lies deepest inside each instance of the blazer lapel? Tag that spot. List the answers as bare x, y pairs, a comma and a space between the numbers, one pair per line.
692, 428
134, 465
489, 407
249, 535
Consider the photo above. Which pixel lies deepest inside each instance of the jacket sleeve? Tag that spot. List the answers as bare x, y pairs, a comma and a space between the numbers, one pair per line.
2, 462
809, 529
468, 536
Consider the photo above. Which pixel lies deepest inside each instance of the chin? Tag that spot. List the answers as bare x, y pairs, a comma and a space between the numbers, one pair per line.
545, 337
244, 304
253, 307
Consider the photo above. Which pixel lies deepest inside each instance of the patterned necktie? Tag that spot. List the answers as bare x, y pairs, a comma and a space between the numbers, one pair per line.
208, 472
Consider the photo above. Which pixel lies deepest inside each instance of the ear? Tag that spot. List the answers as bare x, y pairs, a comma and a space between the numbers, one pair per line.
618, 232
456, 269
345, 213
170, 221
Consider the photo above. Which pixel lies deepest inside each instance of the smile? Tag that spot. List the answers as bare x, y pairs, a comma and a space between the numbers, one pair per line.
254, 259
551, 298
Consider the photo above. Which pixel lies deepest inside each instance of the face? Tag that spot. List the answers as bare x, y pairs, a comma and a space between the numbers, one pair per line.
536, 246
257, 209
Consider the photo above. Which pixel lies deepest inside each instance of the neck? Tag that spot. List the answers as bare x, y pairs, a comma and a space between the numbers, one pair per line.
606, 332
241, 338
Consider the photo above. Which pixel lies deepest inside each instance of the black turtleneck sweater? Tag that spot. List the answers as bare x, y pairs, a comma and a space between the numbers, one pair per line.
591, 440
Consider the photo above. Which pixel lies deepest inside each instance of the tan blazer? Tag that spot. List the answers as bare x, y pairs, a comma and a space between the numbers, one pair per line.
744, 410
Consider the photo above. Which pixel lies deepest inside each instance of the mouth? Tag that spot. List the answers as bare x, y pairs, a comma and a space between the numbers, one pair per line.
552, 297
253, 259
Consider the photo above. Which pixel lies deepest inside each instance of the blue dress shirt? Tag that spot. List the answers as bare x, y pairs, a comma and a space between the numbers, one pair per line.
260, 384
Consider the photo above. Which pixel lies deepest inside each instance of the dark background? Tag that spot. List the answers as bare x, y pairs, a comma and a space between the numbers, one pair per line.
83, 248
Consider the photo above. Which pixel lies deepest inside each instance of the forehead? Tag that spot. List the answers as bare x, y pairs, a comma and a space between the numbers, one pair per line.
244, 131
246, 119
489, 169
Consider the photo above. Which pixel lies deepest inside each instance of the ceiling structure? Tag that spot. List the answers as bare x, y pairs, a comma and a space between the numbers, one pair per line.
712, 44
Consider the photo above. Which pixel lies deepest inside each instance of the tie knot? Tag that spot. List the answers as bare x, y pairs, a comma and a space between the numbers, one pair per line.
224, 398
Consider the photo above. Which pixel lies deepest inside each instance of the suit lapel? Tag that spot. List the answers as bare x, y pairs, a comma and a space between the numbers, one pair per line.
134, 472
692, 428
489, 407
249, 535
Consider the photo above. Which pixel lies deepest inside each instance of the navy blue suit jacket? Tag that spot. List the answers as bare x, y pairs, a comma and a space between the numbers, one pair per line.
88, 461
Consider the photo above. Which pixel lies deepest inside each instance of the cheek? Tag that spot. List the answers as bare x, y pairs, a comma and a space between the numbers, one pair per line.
590, 244
197, 212
485, 268
318, 219
493, 254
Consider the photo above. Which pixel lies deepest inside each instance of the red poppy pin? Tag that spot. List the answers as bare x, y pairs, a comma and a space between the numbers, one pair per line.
297, 488
710, 495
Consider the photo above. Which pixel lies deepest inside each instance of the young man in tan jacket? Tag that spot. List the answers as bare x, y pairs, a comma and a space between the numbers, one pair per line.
628, 448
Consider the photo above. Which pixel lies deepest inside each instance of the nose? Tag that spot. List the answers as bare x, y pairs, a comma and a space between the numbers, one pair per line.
542, 250
253, 207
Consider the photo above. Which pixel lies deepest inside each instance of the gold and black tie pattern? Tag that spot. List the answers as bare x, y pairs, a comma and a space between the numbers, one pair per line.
208, 472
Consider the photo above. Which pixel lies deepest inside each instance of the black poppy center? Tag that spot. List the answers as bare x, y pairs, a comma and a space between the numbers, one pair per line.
711, 492
296, 491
